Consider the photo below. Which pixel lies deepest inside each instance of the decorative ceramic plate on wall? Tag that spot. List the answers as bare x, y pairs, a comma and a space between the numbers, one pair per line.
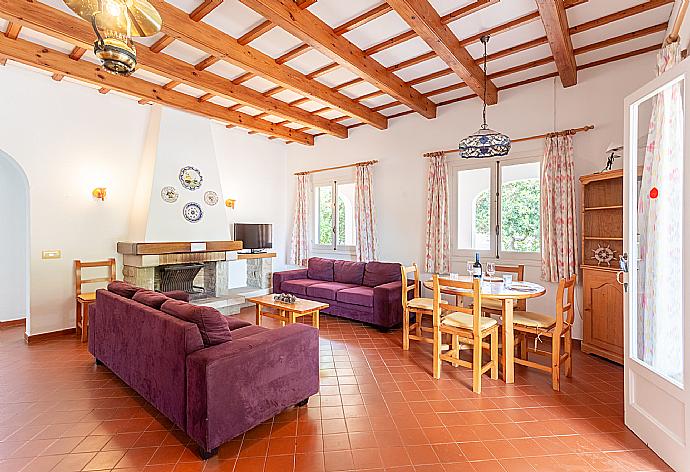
169, 194
192, 212
211, 198
191, 178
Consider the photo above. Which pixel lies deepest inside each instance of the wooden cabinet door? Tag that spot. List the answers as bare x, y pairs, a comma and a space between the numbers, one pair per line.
603, 314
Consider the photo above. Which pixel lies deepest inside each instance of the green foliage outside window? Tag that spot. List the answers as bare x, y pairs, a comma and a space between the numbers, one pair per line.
326, 217
520, 207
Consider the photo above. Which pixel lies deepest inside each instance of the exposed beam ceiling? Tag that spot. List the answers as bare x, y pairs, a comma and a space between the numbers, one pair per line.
53, 61
313, 31
48, 20
555, 21
426, 22
177, 24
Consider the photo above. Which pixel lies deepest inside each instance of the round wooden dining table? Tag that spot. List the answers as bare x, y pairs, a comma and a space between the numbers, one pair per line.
495, 289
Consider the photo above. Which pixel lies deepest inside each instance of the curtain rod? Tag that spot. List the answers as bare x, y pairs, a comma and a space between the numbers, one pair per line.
529, 138
673, 35
356, 164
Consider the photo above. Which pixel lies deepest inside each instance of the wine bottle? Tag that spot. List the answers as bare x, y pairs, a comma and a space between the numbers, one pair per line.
477, 267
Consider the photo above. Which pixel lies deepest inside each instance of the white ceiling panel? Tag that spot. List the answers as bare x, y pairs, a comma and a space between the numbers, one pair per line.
336, 12
522, 57
617, 28
45, 40
436, 84
309, 61
520, 76
149, 41
421, 69
639, 43
249, 110
358, 90
259, 84
276, 42
443, 7
491, 16
233, 18
186, 89
287, 96
224, 102
225, 69
149, 76
378, 101
331, 114
349, 122
395, 110
59, 4
273, 118
311, 105
453, 95
402, 52
185, 52
380, 29
336, 77
186, 5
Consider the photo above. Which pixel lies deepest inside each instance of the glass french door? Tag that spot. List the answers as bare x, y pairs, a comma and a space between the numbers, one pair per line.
655, 266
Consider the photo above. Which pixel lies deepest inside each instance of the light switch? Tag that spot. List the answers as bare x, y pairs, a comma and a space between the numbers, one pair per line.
53, 254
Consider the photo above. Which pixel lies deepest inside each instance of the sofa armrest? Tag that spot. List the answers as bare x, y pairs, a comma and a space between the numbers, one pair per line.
280, 277
388, 304
234, 386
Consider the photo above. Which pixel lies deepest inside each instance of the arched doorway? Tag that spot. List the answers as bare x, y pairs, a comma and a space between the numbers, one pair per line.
14, 241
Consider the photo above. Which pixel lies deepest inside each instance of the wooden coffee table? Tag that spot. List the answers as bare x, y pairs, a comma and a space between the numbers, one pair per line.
287, 312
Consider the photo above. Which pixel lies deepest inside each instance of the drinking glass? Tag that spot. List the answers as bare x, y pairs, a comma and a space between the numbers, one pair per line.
470, 267
490, 269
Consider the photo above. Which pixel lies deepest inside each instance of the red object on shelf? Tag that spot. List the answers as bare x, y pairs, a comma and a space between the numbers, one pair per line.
654, 193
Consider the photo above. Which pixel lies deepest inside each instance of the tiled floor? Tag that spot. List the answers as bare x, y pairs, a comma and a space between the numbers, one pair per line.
379, 409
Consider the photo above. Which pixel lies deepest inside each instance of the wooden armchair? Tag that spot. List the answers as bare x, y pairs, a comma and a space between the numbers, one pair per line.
466, 325
85, 299
529, 325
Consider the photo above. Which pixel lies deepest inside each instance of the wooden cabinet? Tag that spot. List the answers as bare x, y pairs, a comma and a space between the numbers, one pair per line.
603, 314
602, 227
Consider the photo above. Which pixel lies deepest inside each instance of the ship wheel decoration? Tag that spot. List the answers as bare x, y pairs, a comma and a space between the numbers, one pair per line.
603, 255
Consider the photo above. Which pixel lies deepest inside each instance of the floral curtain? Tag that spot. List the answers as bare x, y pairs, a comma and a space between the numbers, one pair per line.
660, 317
558, 233
299, 247
437, 224
365, 217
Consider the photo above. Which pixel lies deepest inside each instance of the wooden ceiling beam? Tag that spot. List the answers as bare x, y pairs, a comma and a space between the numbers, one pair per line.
313, 31
75, 55
426, 22
555, 20
206, 7
48, 20
53, 61
12, 32
215, 42
363, 19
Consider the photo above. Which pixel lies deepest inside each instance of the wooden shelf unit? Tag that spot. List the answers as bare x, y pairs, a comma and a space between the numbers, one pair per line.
602, 213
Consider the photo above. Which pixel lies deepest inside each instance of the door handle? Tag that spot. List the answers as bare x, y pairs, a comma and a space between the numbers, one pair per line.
618, 277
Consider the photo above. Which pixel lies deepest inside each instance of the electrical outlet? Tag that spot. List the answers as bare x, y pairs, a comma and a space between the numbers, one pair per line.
53, 254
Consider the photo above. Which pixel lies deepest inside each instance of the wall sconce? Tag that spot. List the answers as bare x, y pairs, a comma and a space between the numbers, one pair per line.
99, 193
230, 203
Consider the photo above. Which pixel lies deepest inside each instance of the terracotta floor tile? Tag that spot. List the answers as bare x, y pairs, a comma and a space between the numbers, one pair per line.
378, 409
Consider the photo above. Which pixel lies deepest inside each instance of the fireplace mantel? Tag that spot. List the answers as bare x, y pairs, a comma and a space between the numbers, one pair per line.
179, 247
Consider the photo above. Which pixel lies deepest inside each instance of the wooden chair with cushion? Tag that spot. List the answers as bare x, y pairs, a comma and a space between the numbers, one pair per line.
417, 305
530, 325
495, 307
84, 299
467, 326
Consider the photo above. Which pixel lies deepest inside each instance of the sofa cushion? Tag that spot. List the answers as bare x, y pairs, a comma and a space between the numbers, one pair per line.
246, 331
236, 323
362, 296
177, 295
211, 323
150, 298
298, 286
348, 272
327, 290
379, 273
123, 289
320, 269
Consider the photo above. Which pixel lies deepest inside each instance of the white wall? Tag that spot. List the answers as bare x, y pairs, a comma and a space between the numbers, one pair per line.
14, 240
400, 176
68, 138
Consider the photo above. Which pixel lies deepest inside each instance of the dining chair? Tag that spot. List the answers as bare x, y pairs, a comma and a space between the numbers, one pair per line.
418, 305
466, 325
84, 299
531, 325
495, 307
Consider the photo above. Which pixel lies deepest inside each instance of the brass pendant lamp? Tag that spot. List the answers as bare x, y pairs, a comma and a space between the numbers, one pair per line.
115, 23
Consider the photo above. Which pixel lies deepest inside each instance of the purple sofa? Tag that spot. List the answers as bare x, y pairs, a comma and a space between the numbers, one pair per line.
369, 292
214, 376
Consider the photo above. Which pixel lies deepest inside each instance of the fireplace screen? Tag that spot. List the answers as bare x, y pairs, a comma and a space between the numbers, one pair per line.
180, 277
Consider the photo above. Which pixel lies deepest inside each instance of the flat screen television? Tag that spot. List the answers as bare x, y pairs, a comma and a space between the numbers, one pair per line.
254, 236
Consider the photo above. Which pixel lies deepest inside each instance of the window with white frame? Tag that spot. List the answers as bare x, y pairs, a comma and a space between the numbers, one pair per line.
496, 208
334, 210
